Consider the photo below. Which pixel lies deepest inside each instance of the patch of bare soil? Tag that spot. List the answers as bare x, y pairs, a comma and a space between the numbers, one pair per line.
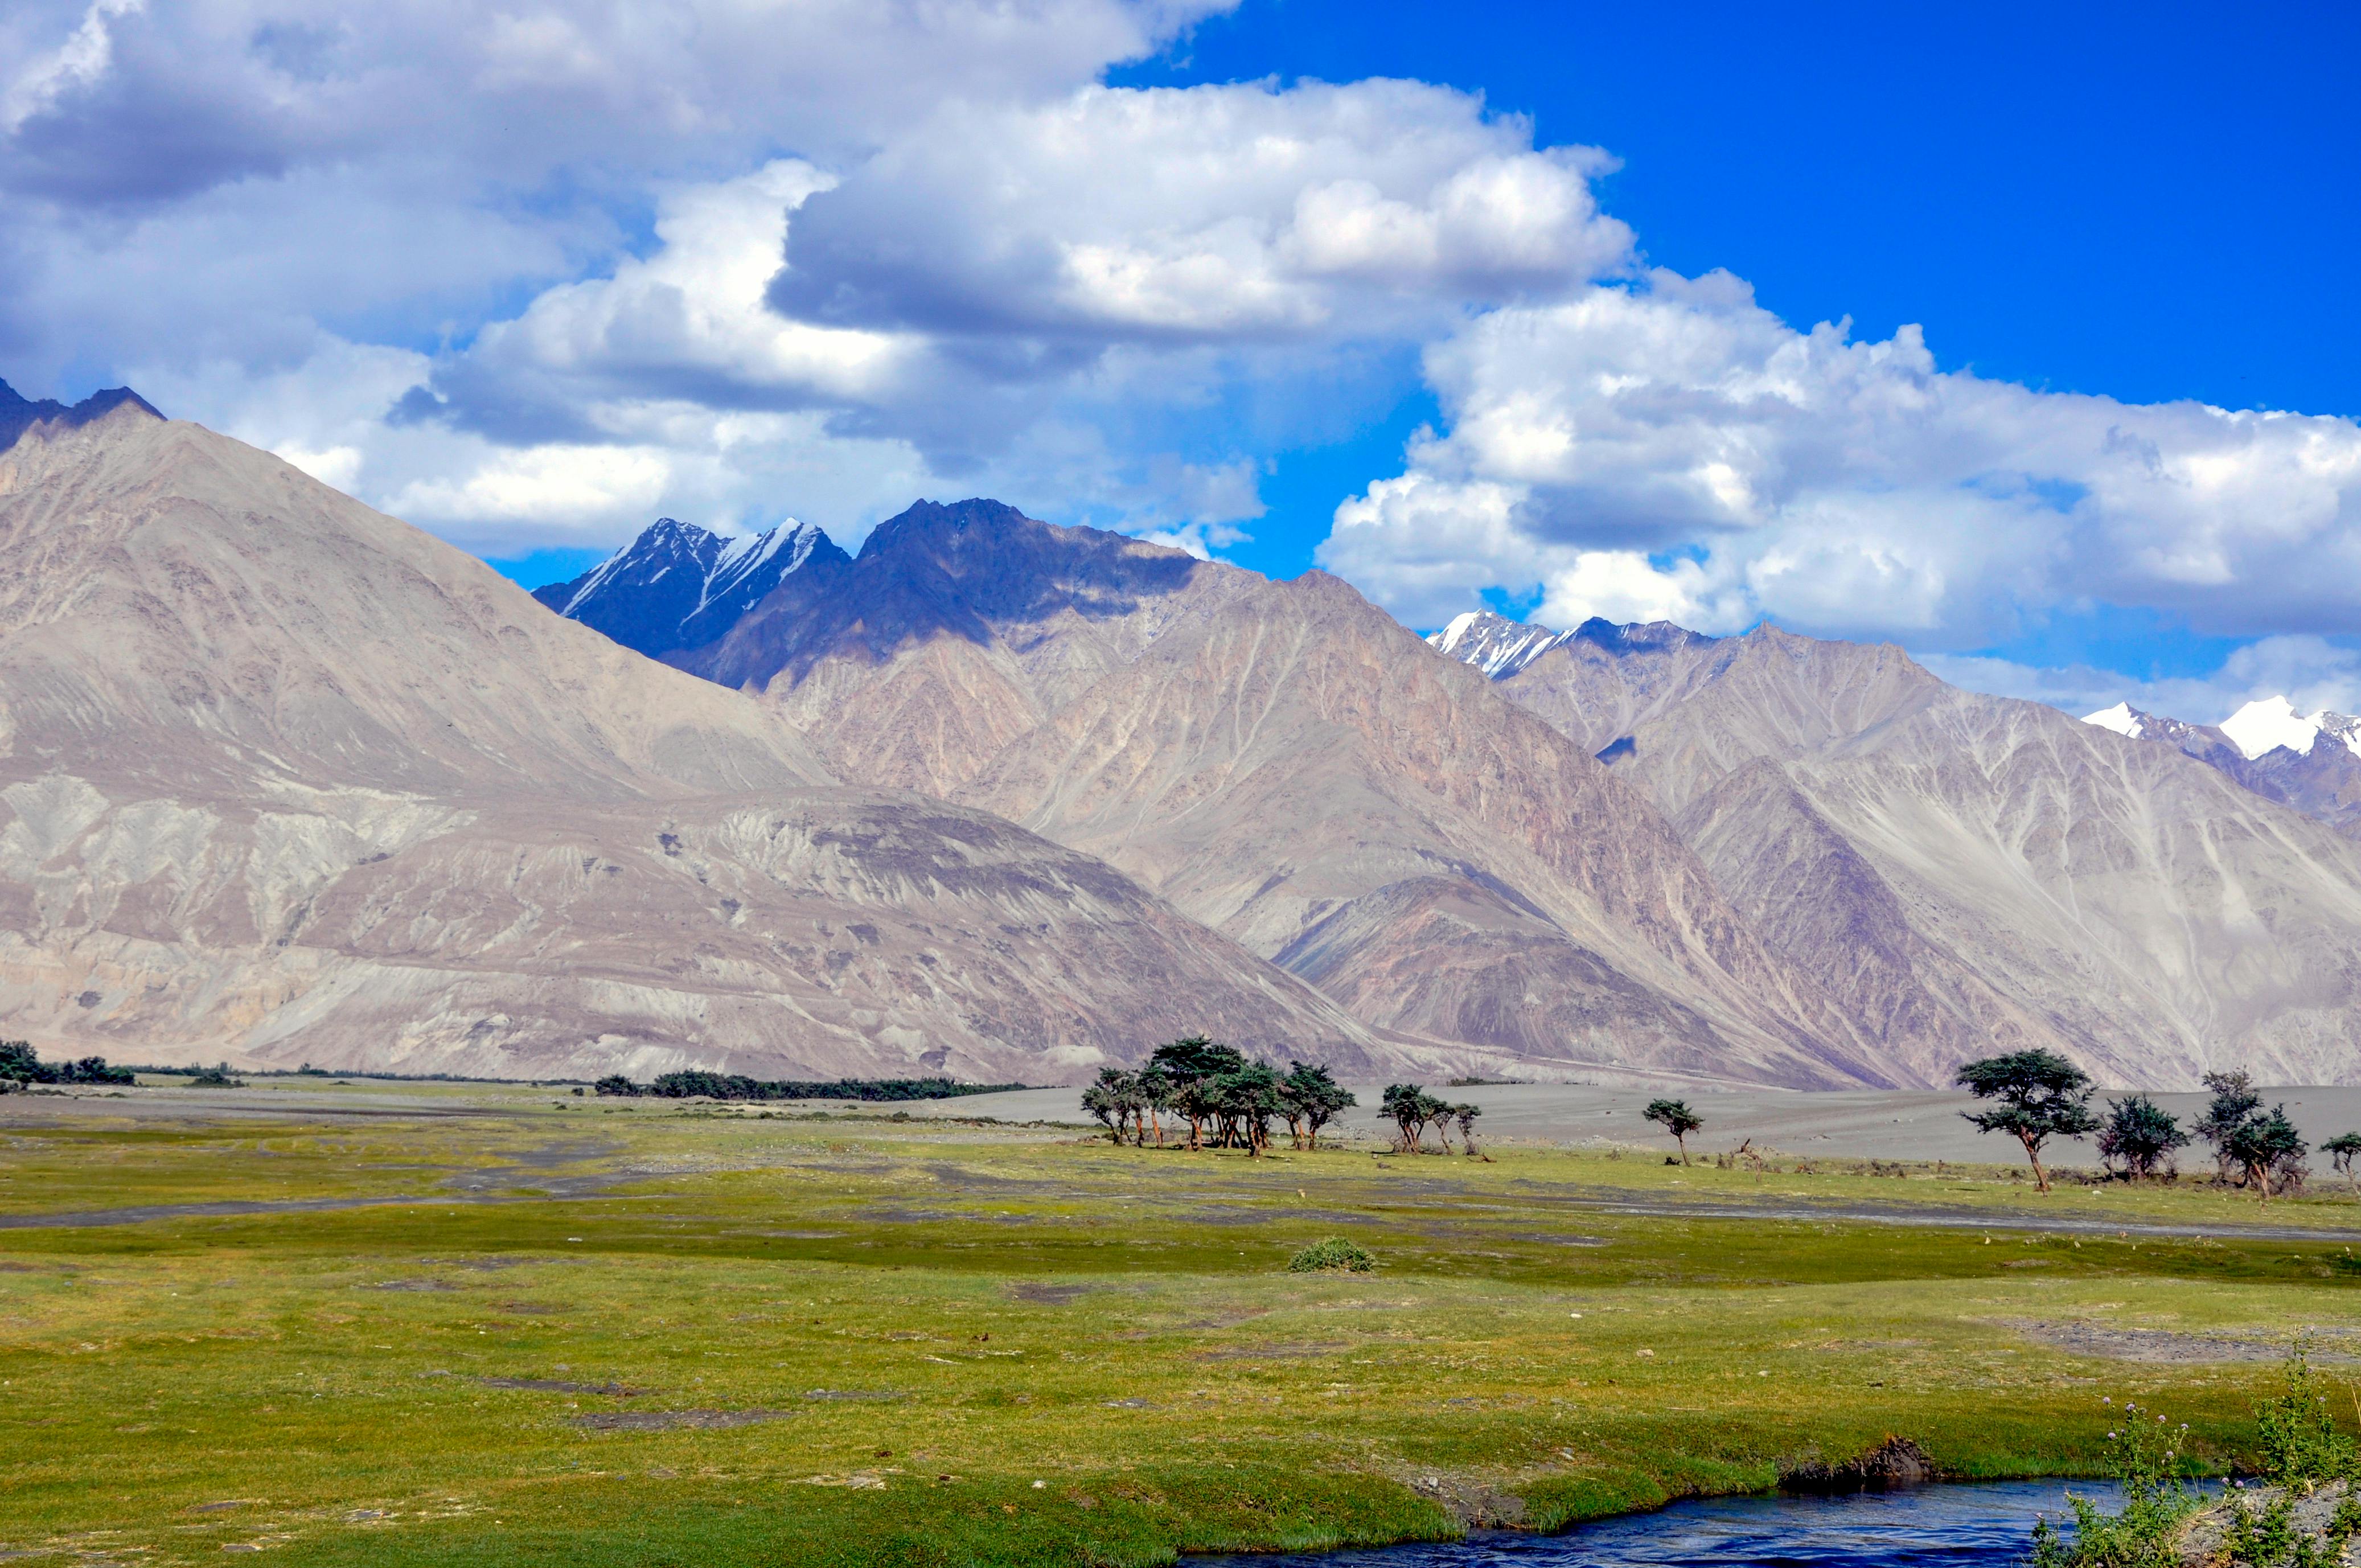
674, 1420
1474, 1504
2158, 1346
1897, 1461
555, 1385
1272, 1352
1048, 1295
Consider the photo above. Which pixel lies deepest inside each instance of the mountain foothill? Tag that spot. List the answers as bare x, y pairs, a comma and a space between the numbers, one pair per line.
286, 780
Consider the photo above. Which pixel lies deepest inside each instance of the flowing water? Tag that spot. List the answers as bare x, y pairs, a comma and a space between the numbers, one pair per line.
1924, 1527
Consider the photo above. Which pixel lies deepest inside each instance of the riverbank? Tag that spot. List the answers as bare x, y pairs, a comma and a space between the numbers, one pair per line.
541, 1329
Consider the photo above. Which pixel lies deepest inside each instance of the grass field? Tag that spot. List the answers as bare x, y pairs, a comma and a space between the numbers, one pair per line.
560, 1330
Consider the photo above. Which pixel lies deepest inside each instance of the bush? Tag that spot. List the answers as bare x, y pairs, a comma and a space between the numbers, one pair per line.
615, 1083
1335, 1255
215, 1077
2156, 1503
19, 1063
2298, 1436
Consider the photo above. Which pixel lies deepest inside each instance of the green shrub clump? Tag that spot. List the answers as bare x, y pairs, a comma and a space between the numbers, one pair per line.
1335, 1255
2156, 1503
2301, 1445
21, 1065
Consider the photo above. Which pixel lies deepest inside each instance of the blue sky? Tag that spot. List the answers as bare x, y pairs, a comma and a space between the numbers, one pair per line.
2154, 202
1516, 305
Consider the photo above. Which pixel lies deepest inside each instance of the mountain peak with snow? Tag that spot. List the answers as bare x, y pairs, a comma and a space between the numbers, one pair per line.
1500, 647
2269, 723
2123, 718
679, 586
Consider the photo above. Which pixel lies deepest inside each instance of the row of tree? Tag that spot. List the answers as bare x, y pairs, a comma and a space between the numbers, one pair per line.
2038, 1095
695, 1083
20, 1064
1226, 1100
1410, 1107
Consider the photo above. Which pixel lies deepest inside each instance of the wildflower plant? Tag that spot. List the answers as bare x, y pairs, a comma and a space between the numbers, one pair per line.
2148, 1456
2296, 1434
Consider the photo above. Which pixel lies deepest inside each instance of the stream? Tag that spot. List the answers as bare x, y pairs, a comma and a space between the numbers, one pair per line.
1924, 1527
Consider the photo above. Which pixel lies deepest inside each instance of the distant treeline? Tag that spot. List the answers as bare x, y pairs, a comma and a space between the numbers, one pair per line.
692, 1085
19, 1064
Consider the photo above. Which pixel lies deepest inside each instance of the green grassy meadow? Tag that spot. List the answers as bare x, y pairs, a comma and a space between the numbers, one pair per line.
558, 1330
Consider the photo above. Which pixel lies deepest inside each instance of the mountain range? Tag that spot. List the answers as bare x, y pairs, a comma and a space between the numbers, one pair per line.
2311, 762
286, 780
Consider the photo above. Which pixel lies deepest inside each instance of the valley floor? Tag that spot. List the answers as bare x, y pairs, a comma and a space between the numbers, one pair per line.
442, 1324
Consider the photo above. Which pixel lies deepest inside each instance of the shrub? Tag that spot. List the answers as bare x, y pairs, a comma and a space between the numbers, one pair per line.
1335, 1255
2141, 1135
2156, 1503
19, 1064
2301, 1445
215, 1077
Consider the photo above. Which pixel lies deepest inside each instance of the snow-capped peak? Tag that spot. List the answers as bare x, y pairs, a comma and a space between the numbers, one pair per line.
1451, 636
680, 585
2123, 718
2265, 725
1493, 643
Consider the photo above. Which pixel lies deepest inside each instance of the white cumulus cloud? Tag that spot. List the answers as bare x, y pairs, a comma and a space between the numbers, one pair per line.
1670, 442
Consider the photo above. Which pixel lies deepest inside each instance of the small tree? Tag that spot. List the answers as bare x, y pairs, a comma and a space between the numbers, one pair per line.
2040, 1096
1678, 1119
1310, 1099
1249, 1098
1192, 1064
1155, 1091
1104, 1100
1466, 1116
2340, 1150
2264, 1145
2233, 1100
2141, 1134
1404, 1105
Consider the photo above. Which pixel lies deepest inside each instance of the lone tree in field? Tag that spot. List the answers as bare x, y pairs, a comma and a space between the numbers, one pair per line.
1678, 1119
1466, 1116
2267, 1145
2340, 1151
2040, 1095
2141, 1134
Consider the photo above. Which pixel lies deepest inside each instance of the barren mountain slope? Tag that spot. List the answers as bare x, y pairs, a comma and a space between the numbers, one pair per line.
179, 608
2135, 905
2319, 775
1303, 774
286, 780
957, 629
